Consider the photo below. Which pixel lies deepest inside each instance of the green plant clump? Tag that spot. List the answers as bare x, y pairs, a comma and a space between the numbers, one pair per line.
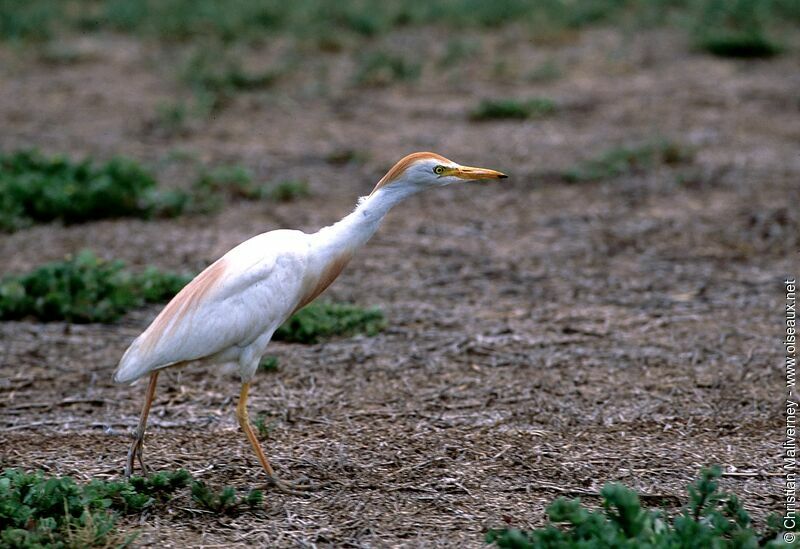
160, 486
323, 320
84, 288
37, 511
225, 501
739, 44
37, 189
380, 68
499, 109
268, 364
262, 427
238, 182
619, 161
215, 77
234, 181
341, 157
288, 191
711, 519
735, 28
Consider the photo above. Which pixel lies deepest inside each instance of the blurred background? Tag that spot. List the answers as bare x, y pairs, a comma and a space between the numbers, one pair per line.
609, 312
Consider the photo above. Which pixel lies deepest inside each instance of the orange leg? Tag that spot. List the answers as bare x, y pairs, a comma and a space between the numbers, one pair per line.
244, 422
135, 450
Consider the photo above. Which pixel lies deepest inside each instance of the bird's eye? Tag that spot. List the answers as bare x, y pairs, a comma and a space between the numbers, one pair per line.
438, 170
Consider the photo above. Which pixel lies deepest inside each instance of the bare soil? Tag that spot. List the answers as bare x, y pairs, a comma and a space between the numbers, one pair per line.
544, 337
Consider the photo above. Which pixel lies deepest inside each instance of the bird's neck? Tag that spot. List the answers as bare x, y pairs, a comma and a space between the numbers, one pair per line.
354, 230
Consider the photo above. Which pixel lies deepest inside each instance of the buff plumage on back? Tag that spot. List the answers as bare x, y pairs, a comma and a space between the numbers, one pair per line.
399, 169
186, 301
136, 360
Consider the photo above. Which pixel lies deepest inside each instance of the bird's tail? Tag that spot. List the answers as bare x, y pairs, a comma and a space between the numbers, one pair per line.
131, 367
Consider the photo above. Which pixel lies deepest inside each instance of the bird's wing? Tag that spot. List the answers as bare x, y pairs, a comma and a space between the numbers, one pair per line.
247, 292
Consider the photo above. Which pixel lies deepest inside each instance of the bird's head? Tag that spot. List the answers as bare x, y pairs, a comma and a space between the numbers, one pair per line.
426, 169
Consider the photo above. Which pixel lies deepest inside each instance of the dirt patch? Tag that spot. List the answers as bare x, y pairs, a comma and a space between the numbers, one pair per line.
544, 338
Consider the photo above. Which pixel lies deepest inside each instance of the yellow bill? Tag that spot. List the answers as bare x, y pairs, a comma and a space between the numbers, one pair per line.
468, 172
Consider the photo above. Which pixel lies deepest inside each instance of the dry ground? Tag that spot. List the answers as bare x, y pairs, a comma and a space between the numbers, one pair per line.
544, 338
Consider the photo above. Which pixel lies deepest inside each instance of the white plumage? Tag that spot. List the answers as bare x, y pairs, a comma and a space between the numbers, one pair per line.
251, 291
229, 312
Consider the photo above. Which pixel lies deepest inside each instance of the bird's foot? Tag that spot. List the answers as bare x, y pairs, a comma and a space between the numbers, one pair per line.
298, 487
135, 453
145, 470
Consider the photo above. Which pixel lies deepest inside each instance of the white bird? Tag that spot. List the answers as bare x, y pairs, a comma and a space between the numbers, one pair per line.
229, 312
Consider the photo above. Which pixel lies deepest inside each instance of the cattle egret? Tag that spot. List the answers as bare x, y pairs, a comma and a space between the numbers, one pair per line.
229, 312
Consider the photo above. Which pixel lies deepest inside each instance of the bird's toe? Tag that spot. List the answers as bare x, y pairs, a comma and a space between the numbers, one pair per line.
298, 487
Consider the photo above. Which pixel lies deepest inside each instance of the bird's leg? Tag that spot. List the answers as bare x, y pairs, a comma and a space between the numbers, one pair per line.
244, 422
135, 450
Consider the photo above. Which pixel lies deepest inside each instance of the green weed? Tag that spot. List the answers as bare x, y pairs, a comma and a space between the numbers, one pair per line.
84, 288
36, 510
61, 53
27, 21
160, 486
40, 511
458, 50
268, 364
347, 156
172, 117
711, 519
215, 76
494, 109
237, 182
619, 161
225, 501
546, 72
735, 28
739, 44
39, 189
137, 493
380, 68
262, 427
231, 181
224, 79
288, 191
324, 320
